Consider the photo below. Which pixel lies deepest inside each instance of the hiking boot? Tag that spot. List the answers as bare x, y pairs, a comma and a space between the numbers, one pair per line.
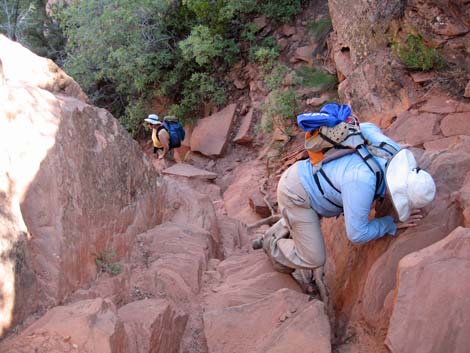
257, 243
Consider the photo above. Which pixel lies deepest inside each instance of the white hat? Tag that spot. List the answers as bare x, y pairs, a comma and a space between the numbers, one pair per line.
410, 187
153, 119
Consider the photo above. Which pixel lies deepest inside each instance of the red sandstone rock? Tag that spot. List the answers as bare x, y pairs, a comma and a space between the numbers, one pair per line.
246, 278
304, 54
210, 134
431, 301
233, 235
456, 124
467, 90
21, 65
414, 128
374, 92
246, 181
90, 326
152, 325
258, 204
76, 184
464, 200
189, 171
171, 258
274, 324
244, 134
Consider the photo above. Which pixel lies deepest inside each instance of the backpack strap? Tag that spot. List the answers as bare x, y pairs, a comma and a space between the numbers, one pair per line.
368, 158
317, 181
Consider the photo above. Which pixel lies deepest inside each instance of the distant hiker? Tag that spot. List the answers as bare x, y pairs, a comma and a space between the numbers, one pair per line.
166, 134
351, 183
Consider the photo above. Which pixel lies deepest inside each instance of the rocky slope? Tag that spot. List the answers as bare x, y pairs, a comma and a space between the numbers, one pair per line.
107, 249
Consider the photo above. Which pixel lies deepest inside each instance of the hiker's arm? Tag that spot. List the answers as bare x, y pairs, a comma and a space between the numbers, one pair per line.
164, 140
357, 199
375, 136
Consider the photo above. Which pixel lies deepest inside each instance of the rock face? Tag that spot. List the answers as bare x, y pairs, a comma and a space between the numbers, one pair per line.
72, 183
433, 283
274, 324
88, 326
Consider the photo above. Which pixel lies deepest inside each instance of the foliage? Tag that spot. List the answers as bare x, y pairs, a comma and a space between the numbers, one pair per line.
130, 52
104, 261
279, 110
203, 45
416, 55
26, 21
318, 29
265, 53
199, 89
275, 79
135, 112
281, 10
310, 77
218, 14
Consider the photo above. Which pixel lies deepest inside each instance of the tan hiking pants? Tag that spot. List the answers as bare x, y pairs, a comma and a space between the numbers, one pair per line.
306, 249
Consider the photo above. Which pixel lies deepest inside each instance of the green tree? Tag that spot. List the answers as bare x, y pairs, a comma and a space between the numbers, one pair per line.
117, 48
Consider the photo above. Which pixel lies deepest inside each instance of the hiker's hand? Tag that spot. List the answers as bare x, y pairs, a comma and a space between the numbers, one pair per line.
415, 217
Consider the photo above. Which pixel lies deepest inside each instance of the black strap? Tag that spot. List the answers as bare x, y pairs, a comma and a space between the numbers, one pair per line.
322, 172
327, 139
373, 165
317, 181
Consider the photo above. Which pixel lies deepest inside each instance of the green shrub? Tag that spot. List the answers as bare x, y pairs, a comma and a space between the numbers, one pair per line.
416, 55
104, 261
281, 10
275, 79
279, 110
267, 51
199, 89
134, 114
320, 28
310, 77
203, 46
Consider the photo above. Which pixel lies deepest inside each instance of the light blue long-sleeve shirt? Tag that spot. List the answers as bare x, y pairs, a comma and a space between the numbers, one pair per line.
356, 183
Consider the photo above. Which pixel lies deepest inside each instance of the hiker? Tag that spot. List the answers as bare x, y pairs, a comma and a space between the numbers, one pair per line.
166, 134
347, 185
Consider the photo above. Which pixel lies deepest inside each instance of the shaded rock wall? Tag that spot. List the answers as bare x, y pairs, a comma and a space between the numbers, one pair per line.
72, 183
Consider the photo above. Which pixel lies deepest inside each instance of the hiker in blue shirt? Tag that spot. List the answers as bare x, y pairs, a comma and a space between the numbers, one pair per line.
344, 185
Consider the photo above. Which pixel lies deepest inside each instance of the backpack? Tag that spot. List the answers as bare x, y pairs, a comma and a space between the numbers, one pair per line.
333, 133
175, 130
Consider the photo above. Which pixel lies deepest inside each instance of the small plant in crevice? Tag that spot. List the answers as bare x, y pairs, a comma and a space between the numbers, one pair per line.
280, 110
265, 53
311, 77
105, 262
276, 77
416, 55
319, 29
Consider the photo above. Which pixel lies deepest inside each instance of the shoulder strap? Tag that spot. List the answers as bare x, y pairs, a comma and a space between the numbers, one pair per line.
367, 153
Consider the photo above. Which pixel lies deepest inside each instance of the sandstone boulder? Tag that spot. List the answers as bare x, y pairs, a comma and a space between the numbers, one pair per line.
152, 325
456, 124
244, 134
431, 301
236, 197
73, 183
189, 171
210, 135
21, 66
